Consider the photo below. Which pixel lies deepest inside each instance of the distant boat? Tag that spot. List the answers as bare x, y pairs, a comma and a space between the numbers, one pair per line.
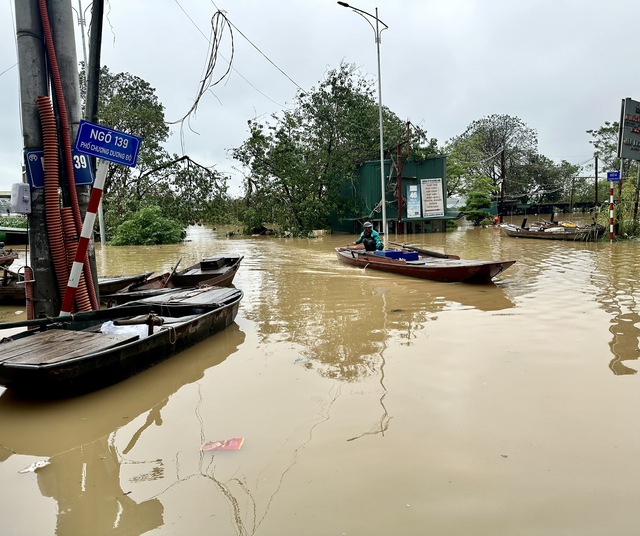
12, 287
70, 355
7, 256
545, 230
424, 264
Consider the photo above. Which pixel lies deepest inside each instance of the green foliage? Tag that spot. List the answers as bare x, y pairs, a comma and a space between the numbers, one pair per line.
184, 190
148, 227
605, 144
478, 202
298, 163
19, 222
625, 208
496, 147
504, 150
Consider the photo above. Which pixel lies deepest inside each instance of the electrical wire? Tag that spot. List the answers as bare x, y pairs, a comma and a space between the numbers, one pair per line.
266, 57
231, 66
219, 23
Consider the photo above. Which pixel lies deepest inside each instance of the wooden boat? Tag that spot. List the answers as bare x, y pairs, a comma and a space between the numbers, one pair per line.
69, 355
115, 283
424, 264
554, 231
210, 271
12, 285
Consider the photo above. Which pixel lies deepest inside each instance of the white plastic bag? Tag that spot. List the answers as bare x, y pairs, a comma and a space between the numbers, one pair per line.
110, 329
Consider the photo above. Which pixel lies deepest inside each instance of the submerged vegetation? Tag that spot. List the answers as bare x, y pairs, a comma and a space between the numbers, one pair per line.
148, 227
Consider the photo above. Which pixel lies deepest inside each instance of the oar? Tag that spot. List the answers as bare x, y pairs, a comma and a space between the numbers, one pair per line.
100, 314
426, 251
172, 272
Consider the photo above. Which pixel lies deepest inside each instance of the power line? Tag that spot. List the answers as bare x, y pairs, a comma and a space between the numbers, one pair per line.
233, 68
266, 57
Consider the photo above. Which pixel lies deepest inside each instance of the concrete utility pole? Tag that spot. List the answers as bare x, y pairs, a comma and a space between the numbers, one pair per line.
32, 66
62, 26
33, 84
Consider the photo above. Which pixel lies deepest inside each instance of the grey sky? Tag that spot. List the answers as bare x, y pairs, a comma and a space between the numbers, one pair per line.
562, 66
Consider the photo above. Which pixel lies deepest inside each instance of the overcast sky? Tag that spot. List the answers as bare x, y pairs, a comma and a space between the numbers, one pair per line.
561, 66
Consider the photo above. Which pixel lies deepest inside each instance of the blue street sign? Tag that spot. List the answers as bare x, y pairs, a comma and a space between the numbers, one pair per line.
34, 165
107, 143
613, 176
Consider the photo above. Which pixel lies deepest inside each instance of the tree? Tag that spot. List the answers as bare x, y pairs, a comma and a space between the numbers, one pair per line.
183, 189
148, 227
478, 200
605, 143
496, 147
297, 163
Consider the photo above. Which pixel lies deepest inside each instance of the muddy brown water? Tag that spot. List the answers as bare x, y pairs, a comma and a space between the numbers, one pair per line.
370, 404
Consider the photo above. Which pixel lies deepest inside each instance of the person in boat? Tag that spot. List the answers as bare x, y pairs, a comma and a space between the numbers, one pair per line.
370, 238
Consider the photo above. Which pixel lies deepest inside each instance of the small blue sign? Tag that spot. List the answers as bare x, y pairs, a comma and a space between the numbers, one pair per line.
613, 176
107, 143
34, 165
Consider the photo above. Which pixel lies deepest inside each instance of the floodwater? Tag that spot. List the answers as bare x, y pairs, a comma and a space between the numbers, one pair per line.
369, 404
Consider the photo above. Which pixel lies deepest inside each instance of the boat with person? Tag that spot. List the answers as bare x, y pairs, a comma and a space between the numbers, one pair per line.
424, 264
73, 354
211, 271
549, 230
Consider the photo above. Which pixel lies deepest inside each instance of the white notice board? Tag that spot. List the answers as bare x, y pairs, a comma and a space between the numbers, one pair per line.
432, 198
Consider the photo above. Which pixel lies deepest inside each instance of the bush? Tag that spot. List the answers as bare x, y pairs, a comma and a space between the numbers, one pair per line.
148, 227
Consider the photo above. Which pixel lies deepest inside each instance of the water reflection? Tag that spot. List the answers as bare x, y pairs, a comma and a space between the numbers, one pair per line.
335, 367
77, 437
616, 279
85, 482
331, 310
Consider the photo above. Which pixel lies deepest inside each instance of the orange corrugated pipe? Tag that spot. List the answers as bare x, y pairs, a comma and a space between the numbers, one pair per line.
66, 144
51, 199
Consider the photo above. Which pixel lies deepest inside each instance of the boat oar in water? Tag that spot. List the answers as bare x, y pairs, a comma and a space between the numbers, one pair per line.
175, 269
427, 252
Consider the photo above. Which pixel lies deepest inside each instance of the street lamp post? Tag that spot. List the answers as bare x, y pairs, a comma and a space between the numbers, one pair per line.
377, 32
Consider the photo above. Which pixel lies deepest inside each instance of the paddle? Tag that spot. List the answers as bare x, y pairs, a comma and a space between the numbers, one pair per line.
426, 251
100, 314
172, 272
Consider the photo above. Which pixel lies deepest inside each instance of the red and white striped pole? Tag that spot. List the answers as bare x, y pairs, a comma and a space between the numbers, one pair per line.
610, 211
85, 237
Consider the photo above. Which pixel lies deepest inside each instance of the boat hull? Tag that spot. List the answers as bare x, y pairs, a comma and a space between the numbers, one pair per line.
111, 284
75, 357
433, 269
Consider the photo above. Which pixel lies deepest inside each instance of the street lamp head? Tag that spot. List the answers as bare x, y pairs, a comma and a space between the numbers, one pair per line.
344, 4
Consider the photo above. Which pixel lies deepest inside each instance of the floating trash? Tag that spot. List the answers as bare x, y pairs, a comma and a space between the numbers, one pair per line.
224, 444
